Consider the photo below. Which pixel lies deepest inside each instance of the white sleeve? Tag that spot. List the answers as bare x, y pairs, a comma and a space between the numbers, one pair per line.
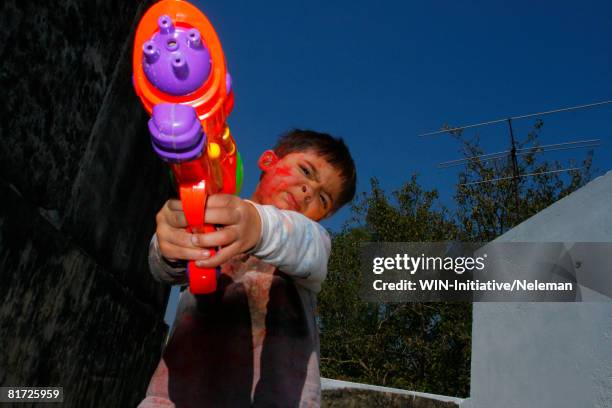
295, 244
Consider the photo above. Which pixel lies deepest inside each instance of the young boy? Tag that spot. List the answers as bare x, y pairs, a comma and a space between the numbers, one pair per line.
254, 342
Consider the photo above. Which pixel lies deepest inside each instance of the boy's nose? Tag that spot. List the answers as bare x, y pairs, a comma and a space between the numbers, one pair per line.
307, 193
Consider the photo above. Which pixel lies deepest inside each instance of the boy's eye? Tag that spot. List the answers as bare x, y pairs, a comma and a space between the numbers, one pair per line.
305, 170
324, 201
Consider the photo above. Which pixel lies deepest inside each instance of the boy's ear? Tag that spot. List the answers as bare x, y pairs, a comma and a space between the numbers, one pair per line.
267, 160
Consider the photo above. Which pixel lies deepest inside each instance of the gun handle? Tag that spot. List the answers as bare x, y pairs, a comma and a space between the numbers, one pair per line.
202, 280
193, 196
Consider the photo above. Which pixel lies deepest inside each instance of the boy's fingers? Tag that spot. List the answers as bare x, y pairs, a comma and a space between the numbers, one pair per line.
175, 236
222, 237
174, 218
222, 216
178, 219
170, 251
220, 257
174, 205
222, 200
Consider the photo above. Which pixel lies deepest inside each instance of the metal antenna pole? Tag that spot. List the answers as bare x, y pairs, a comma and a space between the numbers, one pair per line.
515, 172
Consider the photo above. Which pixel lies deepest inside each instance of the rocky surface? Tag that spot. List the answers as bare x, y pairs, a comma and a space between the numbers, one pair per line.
80, 187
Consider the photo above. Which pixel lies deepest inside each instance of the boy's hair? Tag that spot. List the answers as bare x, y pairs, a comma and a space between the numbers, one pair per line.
332, 149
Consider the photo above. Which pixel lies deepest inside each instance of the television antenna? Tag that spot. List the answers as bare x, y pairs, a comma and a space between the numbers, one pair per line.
513, 152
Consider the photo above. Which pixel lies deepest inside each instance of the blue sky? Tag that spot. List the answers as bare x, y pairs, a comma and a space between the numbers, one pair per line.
380, 73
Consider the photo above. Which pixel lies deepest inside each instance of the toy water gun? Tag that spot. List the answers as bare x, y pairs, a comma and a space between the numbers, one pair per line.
180, 76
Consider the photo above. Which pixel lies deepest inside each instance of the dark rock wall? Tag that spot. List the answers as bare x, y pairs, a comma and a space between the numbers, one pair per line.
79, 189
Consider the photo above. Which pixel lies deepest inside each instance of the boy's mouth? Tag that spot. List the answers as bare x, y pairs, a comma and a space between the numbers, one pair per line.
292, 202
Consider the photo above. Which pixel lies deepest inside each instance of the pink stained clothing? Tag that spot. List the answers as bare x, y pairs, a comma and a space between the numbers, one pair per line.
255, 341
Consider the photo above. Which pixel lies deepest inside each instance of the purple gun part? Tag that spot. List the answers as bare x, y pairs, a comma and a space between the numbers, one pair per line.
175, 59
165, 24
176, 132
151, 52
195, 39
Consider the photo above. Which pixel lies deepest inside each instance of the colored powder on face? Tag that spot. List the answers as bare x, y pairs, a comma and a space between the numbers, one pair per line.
275, 183
284, 171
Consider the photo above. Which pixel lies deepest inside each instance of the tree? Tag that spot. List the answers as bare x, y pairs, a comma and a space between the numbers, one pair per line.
418, 346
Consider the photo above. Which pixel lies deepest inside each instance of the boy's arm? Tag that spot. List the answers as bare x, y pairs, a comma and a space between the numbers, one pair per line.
295, 244
163, 270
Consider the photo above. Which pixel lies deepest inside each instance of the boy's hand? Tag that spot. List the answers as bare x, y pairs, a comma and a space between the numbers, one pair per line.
175, 243
240, 231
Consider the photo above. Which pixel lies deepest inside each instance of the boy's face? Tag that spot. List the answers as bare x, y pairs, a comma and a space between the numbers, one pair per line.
302, 181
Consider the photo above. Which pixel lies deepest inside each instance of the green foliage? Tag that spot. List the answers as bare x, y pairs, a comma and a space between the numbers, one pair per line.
416, 346
425, 346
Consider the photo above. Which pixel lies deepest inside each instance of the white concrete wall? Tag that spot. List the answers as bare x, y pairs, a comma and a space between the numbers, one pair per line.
548, 354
